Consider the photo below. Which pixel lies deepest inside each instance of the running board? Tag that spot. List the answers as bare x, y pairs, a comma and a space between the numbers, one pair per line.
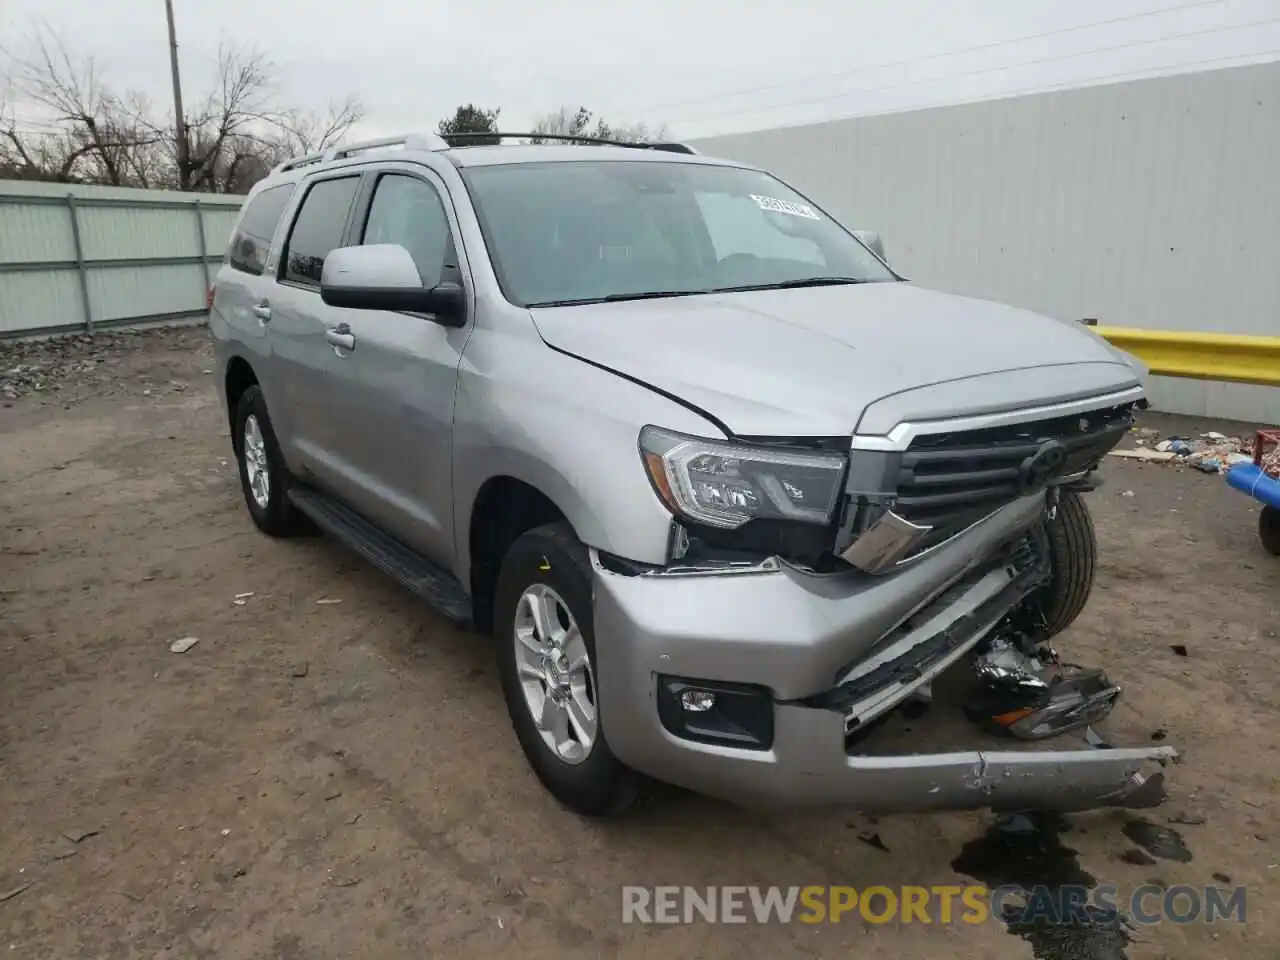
403, 564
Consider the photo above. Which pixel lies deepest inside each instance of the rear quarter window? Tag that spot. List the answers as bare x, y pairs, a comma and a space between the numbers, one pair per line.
252, 239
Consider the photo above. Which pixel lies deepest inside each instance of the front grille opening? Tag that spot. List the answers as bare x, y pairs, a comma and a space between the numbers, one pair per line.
950, 481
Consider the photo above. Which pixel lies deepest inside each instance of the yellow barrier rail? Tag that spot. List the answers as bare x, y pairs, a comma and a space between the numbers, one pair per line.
1201, 356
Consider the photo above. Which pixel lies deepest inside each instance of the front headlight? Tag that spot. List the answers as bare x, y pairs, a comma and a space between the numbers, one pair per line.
726, 485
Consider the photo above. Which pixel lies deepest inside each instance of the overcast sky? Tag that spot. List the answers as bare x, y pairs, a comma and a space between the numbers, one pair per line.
699, 66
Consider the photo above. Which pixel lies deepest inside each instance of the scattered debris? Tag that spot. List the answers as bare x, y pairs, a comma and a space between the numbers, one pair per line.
183, 645
873, 840
1190, 819
346, 883
1142, 453
1127, 493
1179, 649
353, 819
10, 894
226, 832
300, 670
1211, 452
1160, 734
1161, 842
1016, 823
1221, 878
78, 836
327, 600
64, 852
86, 363
1091, 737
333, 796
1137, 857
242, 598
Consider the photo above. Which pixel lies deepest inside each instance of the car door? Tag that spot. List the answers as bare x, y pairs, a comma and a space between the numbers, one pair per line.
396, 381
242, 284
299, 319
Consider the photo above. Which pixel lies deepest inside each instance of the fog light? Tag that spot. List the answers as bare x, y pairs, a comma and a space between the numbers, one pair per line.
697, 701
710, 711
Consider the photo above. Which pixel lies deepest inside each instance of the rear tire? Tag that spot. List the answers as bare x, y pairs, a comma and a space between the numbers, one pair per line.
1073, 559
264, 478
549, 566
1269, 530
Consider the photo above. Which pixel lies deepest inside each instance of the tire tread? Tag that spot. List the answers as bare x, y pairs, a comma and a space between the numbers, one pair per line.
1073, 548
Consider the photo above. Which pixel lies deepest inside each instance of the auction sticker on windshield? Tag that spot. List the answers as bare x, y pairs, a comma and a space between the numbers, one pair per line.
775, 205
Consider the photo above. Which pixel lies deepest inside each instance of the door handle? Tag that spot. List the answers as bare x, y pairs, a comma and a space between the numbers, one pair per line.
341, 337
263, 312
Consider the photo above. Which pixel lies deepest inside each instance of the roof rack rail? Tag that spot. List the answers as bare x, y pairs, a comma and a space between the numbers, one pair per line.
670, 147
410, 141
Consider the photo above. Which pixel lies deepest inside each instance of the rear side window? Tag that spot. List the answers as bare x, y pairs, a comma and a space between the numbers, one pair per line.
318, 229
252, 239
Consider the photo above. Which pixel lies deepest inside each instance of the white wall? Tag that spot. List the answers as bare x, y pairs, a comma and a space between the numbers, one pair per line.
1154, 203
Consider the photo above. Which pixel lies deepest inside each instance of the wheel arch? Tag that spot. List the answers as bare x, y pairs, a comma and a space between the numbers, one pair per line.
239, 377
503, 509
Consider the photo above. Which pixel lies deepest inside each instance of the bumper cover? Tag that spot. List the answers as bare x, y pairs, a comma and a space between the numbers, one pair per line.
797, 635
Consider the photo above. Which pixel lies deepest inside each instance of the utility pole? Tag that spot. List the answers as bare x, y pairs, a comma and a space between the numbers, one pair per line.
179, 118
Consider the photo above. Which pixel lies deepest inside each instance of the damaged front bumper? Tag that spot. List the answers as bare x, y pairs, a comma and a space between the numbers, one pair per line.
825, 656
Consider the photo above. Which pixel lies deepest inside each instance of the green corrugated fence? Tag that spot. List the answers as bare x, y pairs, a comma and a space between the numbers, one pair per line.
80, 258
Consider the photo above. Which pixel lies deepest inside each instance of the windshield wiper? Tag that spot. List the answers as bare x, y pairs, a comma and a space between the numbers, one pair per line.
792, 284
620, 297
650, 295
658, 294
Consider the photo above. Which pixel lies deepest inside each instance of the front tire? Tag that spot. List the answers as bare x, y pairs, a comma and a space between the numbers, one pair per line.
1269, 530
547, 662
264, 478
1073, 560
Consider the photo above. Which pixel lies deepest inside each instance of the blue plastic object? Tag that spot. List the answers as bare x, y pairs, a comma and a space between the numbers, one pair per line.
1249, 478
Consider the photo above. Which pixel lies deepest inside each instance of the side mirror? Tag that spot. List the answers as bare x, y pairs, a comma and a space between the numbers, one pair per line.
383, 276
871, 240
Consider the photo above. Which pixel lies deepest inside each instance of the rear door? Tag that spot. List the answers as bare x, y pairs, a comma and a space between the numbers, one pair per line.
396, 384
241, 286
298, 320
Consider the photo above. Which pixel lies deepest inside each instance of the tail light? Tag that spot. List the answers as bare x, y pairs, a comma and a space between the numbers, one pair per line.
208, 297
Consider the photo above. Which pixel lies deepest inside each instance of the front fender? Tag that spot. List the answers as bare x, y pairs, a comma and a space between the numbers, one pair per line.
571, 431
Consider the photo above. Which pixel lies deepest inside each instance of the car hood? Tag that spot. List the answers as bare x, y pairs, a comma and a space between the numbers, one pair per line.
811, 361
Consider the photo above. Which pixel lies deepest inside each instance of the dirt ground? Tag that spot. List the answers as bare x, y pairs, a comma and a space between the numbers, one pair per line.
340, 779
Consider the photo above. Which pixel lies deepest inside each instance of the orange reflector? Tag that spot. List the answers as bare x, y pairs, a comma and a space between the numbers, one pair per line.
1013, 716
658, 474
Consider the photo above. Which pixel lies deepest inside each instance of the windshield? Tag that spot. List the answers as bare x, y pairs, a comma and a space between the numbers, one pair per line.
585, 231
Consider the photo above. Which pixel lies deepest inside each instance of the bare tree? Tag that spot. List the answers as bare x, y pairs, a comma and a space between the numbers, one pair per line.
91, 133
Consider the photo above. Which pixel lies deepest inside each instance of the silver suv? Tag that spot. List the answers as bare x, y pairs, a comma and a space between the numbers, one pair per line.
732, 494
